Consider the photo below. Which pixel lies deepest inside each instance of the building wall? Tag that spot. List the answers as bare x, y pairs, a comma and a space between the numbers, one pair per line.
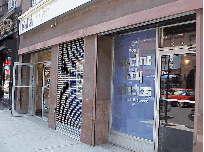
3, 7
95, 105
84, 17
25, 5
9, 37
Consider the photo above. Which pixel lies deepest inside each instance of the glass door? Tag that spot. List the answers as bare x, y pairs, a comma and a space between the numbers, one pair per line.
42, 89
45, 91
22, 90
177, 100
39, 85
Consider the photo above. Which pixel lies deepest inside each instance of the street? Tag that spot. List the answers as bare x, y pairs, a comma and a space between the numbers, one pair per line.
179, 116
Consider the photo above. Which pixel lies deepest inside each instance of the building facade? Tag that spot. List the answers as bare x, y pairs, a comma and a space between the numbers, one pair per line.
9, 41
123, 72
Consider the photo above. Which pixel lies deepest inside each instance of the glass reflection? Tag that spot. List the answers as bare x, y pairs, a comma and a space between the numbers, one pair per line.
177, 101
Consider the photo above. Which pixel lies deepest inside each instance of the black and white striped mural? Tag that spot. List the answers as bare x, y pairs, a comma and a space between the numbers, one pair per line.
69, 91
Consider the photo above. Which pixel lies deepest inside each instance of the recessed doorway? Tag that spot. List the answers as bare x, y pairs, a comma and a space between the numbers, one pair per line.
177, 100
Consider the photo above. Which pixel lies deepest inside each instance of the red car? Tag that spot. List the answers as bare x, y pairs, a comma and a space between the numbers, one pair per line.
180, 97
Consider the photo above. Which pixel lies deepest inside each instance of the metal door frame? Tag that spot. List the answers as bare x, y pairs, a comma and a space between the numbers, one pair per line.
45, 64
31, 89
159, 53
43, 88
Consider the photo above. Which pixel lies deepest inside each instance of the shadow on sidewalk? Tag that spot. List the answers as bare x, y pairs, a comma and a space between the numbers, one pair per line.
4, 104
172, 138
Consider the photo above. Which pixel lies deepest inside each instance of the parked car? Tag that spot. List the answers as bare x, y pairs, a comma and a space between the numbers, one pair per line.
180, 97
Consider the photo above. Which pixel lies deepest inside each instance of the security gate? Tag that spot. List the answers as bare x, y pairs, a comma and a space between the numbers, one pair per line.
69, 91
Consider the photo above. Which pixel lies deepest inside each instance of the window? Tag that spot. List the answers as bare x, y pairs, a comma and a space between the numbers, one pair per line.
11, 4
134, 84
34, 2
179, 35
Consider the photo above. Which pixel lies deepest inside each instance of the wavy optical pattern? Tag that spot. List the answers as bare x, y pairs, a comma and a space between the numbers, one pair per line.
69, 91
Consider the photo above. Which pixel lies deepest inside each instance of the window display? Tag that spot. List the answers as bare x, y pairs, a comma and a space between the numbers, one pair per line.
134, 84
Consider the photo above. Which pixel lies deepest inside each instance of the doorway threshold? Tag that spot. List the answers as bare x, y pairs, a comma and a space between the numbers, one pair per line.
115, 148
181, 127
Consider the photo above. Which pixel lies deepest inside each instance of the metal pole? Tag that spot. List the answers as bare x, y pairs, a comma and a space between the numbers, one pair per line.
167, 88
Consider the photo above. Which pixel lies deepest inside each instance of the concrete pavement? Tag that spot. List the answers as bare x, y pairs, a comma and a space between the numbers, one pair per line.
31, 134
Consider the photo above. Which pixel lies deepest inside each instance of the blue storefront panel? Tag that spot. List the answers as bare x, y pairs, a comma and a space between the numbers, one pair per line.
134, 84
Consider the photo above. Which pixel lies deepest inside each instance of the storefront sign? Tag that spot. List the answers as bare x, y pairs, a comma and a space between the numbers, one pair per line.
134, 84
45, 11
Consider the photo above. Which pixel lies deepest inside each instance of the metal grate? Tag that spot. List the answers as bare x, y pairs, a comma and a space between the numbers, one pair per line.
168, 21
69, 91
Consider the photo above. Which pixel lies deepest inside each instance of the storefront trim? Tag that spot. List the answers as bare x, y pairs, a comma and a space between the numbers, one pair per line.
198, 118
132, 143
148, 15
152, 22
112, 80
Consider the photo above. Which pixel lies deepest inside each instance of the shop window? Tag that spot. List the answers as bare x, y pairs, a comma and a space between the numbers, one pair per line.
179, 35
134, 84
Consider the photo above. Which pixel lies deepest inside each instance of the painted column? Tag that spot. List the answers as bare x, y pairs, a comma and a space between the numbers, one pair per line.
198, 117
104, 68
53, 86
89, 90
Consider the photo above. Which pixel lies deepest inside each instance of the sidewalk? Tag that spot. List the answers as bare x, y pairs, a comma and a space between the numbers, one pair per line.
4, 104
31, 134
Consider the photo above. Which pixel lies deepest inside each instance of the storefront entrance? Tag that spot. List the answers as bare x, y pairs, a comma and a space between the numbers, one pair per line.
42, 65
177, 99
31, 85
42, 89
23, 89
153, 87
